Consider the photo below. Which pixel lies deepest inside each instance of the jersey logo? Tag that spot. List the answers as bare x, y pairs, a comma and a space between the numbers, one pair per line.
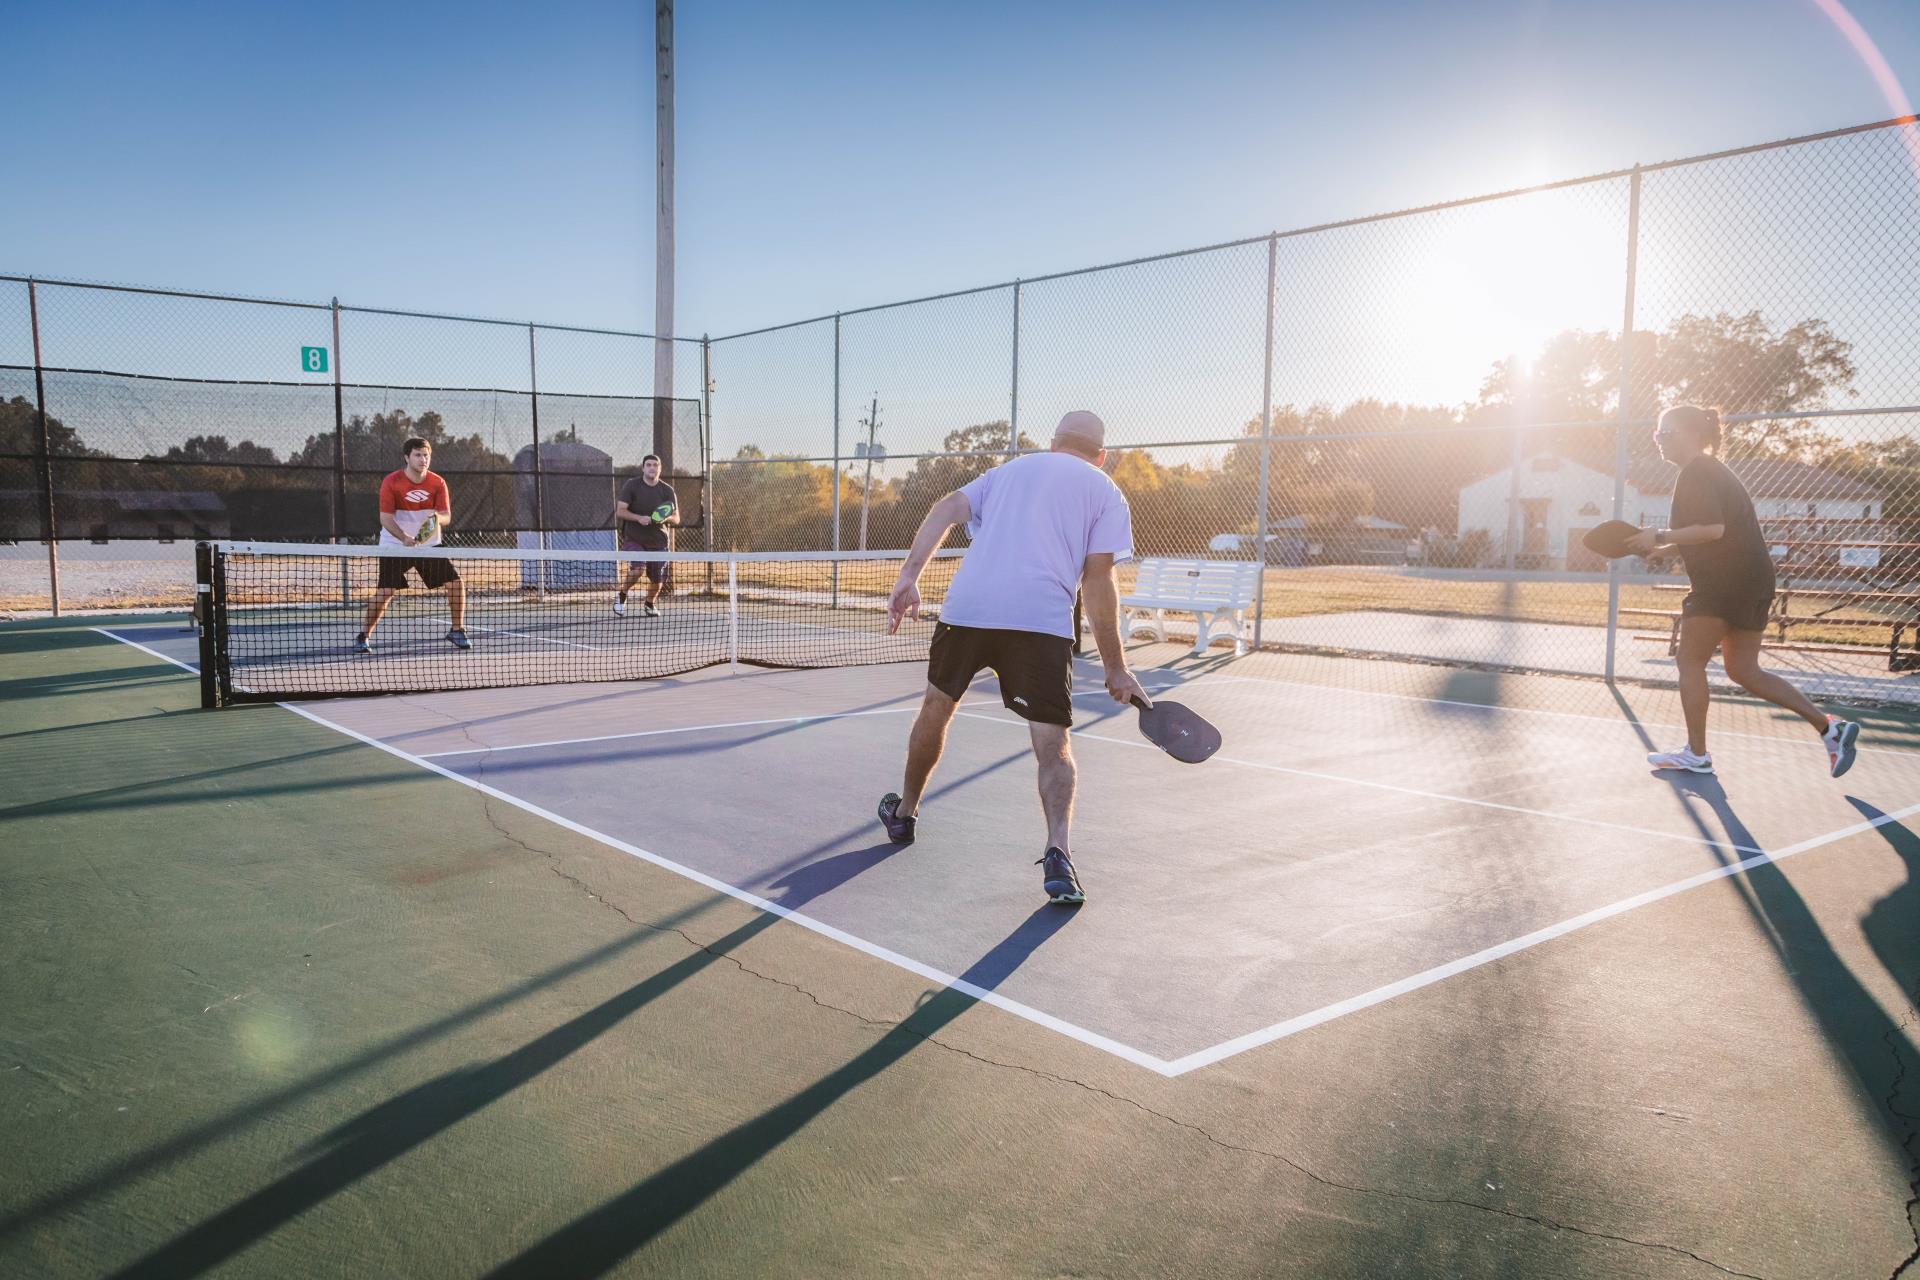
418, 495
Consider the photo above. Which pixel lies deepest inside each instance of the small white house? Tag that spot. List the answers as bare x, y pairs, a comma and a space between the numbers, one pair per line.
1541, 512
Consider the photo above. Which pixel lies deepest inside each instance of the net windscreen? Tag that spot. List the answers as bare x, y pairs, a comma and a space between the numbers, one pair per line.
284, 621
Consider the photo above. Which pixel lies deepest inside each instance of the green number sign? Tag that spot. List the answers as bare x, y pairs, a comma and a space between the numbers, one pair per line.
313, 359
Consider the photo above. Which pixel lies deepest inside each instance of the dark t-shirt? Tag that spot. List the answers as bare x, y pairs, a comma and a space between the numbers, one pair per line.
644, 499
1737, 563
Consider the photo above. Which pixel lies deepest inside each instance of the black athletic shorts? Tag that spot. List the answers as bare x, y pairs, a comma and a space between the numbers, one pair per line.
1740, 610
434, 572
1035, 669
656, 570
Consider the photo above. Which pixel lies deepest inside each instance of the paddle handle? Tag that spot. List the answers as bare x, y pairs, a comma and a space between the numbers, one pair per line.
1139, 702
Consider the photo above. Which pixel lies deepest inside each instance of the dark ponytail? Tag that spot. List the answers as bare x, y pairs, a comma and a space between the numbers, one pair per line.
1699, 422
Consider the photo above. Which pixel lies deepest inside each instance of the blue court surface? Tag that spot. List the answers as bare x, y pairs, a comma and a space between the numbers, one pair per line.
1346, 848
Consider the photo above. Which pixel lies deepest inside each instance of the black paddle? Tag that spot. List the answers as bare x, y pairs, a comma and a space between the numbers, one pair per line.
1177, 730
1610, 539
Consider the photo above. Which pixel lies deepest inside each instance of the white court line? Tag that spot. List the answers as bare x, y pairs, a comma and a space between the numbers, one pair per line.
528, 635
1427, 977
654, 733
1212, 678
1412, 791
1176, 1067
151, 653
982, 994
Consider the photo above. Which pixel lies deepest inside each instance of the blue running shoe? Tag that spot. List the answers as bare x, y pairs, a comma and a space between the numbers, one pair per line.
361, 644
1062, 886
458, 639
899, 829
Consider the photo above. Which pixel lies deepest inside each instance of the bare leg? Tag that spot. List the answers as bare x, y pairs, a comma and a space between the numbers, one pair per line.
924, 745
653, 588
1699, 637
1741, 652
457, 603
1054, 750
633, 575
381, 599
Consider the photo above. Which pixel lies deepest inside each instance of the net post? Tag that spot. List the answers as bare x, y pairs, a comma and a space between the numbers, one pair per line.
221, 664
836, 456
1266, 449
1513, 495
733, 615
1626, 416
712, 512
203, 616
43, 448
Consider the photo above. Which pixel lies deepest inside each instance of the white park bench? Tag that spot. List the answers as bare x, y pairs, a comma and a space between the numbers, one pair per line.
1218, 593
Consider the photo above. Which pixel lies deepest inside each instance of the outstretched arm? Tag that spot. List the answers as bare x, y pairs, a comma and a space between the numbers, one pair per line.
946, 513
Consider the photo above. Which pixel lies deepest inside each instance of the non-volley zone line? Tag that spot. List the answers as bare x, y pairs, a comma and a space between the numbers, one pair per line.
1160, 1066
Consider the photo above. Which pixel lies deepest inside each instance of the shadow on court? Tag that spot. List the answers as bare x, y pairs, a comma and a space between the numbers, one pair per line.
1875, 1048
598, 1241
805, 877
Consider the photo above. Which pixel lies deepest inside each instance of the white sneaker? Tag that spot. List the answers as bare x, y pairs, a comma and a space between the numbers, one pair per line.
1683, 758
619, 607
650, 611
1838, 740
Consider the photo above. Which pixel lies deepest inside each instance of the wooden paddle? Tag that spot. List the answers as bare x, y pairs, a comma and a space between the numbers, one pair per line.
1610, 539
1177, 730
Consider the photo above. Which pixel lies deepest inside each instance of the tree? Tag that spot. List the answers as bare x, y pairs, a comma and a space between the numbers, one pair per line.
215, 449
20, 432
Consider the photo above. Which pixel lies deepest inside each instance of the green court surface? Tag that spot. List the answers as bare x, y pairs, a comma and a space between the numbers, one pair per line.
278, 1000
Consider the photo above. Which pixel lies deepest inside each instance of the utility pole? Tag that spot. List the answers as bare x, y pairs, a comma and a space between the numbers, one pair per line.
872, 424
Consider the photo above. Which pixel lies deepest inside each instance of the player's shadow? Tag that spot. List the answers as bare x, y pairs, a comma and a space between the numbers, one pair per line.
388, 1131
1873, 1045
1892, 924
393, 1128
595, 1243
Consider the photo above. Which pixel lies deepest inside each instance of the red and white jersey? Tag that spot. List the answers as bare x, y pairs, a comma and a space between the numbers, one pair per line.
410, 502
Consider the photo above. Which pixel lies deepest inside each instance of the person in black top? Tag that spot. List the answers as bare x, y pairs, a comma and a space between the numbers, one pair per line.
643, 527
1730, 568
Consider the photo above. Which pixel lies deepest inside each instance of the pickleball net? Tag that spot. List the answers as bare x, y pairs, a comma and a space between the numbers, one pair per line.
279, 621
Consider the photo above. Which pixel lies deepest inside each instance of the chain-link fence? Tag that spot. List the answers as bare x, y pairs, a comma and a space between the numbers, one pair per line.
133, 422
1408, 419
1431, 403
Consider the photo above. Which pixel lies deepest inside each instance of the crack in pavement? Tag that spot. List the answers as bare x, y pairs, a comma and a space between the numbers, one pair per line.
1894, 1090
552, 861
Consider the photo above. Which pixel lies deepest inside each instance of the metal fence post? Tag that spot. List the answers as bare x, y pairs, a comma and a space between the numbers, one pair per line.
836, 457
539, 473
43, 445
1013, 408
1266, 446
339, 521
1513, 495
1626, 416
706, 432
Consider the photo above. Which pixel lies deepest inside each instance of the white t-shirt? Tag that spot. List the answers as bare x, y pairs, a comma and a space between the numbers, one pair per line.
1035, 521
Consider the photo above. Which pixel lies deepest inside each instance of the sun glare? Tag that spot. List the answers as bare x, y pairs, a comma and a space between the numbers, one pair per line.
1497, 281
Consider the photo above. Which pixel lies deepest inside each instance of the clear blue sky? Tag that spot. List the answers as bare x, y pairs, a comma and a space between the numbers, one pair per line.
496, 159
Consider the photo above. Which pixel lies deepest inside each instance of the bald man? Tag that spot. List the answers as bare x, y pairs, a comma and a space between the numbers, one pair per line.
1042, 525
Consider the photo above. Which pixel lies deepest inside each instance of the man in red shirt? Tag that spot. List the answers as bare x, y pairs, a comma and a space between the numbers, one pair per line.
414, 511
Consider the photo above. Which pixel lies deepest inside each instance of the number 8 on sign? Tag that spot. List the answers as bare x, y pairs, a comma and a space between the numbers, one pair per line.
313, 359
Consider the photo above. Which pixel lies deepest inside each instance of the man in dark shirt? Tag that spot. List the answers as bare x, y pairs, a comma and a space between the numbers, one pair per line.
646, 510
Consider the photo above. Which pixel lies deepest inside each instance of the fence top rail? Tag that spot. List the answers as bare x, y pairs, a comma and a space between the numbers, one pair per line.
201, 295
345, 386
349, 551
1364, 220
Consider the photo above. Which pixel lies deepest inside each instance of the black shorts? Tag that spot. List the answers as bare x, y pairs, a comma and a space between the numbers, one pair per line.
1035, 669
434, 572
656, 570
1740, 610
